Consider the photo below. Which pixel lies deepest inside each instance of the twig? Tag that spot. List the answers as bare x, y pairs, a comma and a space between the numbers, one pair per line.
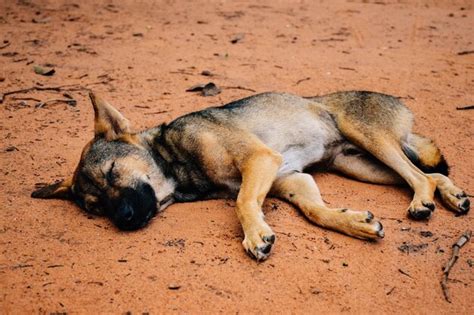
238, 88
15, 98
158, 112
59, 88
181, 72
465, 237
347, 68
465, 107
6, 44
34, 88
21, 266
68, 101
465, 52
302, 80
405, 273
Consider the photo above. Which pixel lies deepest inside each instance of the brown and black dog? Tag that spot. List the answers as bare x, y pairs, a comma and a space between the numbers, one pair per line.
253, 147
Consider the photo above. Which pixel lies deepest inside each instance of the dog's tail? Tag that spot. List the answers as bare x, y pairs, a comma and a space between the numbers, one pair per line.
425, 155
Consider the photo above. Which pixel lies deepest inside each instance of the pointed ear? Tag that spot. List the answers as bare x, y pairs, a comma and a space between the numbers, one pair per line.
59, 190
109, 123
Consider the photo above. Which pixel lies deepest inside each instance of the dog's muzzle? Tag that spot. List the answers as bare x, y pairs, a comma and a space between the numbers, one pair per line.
134, 208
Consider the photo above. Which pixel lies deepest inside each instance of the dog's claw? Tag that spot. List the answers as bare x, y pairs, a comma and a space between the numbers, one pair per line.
380, 231
249, 252
269, 239
464, 206
260, 253
461, 195
370, 217
429, 205
258, 242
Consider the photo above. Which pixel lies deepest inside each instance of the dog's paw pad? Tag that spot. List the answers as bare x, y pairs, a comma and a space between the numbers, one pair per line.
420, 214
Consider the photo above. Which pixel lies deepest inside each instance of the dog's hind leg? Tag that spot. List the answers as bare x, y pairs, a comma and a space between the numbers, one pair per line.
362, 167
389, 151
427, 156
301, 190
258, 169
365, 168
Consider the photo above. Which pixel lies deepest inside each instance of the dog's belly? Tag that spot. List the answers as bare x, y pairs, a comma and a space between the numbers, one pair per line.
302, 140
296, 158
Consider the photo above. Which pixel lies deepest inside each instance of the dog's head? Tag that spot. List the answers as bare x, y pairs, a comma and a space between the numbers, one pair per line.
117, 175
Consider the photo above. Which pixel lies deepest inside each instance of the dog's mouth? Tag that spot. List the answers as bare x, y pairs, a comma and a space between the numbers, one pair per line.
165, 202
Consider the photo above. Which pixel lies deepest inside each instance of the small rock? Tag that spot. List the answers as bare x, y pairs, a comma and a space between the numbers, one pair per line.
411, 248
174, 286
237, 38
11, 149
46, 71
426, 233
209, 89
9, 54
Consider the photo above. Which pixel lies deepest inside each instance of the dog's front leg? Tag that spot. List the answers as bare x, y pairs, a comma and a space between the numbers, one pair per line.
258, 173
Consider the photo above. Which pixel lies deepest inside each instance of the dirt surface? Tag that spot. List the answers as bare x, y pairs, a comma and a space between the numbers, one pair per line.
142, 56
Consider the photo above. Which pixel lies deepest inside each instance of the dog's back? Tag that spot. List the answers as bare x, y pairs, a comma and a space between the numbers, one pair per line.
297, 128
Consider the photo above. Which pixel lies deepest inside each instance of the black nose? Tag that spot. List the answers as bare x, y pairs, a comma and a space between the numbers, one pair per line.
125, 212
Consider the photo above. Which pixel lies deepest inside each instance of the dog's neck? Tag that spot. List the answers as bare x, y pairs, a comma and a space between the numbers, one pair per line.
174, 170
155, 143
150, 139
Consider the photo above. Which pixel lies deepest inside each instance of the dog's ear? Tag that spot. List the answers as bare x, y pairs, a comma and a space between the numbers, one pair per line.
59, 190
108, 121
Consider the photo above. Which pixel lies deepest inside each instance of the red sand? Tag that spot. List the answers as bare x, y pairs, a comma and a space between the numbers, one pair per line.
57, 259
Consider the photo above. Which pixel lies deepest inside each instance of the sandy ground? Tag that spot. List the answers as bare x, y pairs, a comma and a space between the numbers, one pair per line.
142, 56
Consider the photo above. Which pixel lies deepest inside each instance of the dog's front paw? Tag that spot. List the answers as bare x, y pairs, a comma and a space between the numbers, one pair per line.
258, 241
360, 224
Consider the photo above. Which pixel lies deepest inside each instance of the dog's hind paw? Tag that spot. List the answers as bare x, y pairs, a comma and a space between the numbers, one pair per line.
421, 210
456, 200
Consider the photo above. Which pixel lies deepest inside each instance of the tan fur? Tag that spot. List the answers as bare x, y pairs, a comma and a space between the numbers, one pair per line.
301, 190
255, 146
